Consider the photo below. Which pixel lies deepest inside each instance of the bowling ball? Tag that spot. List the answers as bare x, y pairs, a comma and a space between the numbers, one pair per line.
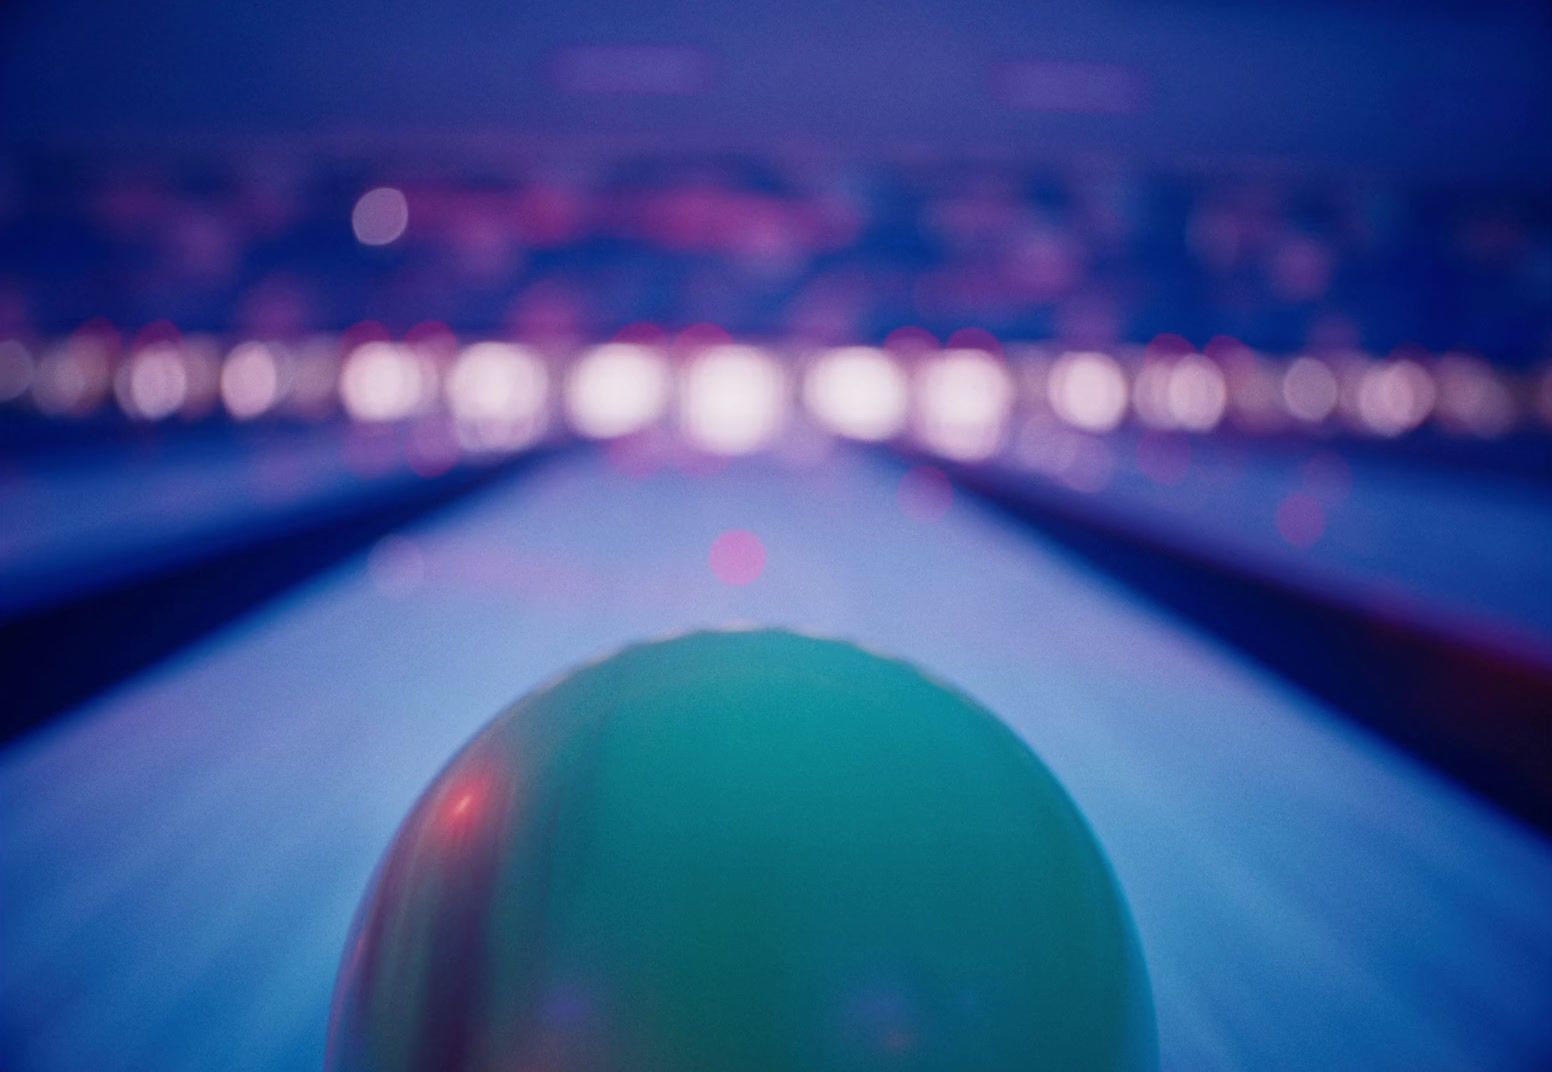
738, 852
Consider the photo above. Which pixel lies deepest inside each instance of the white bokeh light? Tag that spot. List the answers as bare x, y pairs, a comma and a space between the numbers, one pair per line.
382, 381
857, 392
733, 400
1310, 390
498, 394
616, 389
380, 216
963, 401
153, 384
1394, 397
250, 380
1197, 394
1088, 391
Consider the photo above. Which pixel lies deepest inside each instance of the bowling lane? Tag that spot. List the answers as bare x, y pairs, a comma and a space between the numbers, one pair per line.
81, 520
1459, 549
179, 861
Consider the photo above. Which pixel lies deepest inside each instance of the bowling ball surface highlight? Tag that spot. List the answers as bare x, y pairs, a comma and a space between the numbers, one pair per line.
739, 852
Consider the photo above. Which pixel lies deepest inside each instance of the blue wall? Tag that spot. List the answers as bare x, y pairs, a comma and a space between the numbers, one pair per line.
1455, 89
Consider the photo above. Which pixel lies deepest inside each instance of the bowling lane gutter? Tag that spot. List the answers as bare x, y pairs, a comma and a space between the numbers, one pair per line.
1480, 713
61, 654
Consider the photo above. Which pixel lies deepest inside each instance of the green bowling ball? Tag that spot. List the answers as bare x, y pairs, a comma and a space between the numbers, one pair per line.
740, 852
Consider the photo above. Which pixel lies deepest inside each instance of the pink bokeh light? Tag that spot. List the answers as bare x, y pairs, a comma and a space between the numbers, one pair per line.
737, 557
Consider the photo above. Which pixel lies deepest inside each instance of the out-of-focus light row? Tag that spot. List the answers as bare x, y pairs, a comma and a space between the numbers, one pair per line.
727, 398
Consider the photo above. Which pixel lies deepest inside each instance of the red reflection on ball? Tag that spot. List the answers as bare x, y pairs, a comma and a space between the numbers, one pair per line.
465, 802
737, 557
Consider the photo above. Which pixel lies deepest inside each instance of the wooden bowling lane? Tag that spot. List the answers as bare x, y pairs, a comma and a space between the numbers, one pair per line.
179, 862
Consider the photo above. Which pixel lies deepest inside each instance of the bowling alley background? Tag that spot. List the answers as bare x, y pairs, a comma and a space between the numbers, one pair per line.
1174, 377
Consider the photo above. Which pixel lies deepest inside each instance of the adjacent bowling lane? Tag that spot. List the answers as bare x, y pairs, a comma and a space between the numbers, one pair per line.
1449, 547
83, 519
180, 858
